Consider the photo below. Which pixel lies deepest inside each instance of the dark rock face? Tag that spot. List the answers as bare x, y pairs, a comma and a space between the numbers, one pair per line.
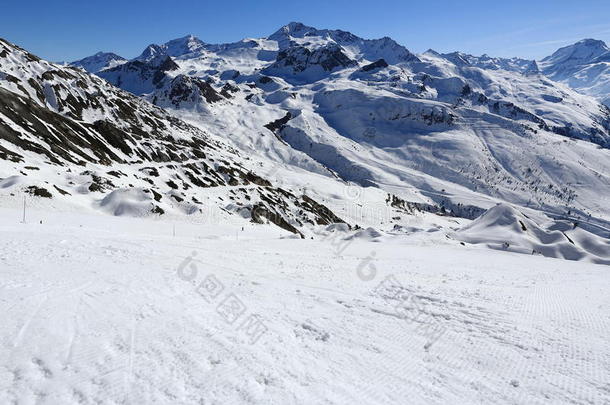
228, 89
273, 200
151, 77
188, 89
39, 192
253, 178
167, 64
277, 125
262, 213
139, 77
66, 141
380, 64
325, 215
299, 58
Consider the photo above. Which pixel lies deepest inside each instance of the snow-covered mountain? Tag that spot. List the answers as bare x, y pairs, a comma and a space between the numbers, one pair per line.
584, 66
309, 207
99, 62
453, 130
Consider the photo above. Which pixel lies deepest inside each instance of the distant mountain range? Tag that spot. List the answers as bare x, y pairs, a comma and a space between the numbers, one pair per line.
584, 66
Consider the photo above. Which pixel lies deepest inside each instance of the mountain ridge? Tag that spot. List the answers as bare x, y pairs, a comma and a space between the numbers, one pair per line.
595, 84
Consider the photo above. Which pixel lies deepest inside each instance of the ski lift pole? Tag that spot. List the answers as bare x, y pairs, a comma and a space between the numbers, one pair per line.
23, 221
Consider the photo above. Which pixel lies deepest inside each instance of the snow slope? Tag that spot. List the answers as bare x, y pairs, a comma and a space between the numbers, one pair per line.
106, 309
583, 66
504, 227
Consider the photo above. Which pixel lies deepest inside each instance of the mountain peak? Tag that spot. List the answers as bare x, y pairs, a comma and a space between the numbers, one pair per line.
151, 52
532, 69
591, 42
294, 28
583, 51
582, 66
431, 51
99, 61
184, 45
595, 47
295, 25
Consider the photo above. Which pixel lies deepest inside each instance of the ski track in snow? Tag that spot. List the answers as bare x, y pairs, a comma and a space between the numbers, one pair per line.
96, 316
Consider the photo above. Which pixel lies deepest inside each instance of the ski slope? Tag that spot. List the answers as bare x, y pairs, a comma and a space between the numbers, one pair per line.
101, 309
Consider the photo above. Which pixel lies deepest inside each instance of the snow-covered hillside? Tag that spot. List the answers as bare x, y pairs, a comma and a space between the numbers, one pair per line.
506, 228
584, 66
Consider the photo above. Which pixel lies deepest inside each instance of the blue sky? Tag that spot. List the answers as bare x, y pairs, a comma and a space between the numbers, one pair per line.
68, 30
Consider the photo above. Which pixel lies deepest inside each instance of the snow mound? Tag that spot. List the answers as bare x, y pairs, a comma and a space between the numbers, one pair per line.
368, 234
127, 202
503, 227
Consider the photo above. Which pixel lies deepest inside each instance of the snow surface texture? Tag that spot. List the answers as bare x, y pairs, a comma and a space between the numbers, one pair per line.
111, 310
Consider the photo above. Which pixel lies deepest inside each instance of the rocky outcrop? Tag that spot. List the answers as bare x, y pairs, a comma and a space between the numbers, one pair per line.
298, 59
379, 64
